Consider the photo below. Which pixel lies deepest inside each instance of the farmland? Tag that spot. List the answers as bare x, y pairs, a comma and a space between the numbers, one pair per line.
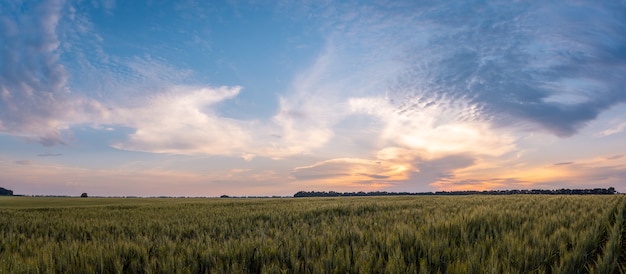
449, 234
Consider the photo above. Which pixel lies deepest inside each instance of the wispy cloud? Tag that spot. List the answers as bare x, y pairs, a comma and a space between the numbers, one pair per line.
615, 157
48, 154
23, 162
614, 130
32, 81
107, 5
358, 169
350, 173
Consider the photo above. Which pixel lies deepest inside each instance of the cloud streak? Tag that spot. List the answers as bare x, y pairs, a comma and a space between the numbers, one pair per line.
614, 130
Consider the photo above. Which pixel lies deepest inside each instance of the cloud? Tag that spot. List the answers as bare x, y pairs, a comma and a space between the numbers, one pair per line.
554, 66
423, 169
350, 171
137, 92
23, 162
374, 176
107, 5
47, 43
393, 167
32, 81
153, 72
35, 101
419, 144
614, 157
314, 104
431, 171
434, 129
182, 122
499, 174
47, 154
613, 130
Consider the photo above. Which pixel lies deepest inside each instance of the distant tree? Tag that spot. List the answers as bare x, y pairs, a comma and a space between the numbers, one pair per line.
6, 192
611, 190
84, 195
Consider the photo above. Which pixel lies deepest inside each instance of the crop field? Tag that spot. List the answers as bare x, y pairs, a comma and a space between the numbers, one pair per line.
400, 234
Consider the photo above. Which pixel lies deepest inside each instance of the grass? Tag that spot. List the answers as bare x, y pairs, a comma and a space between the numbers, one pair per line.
469, 234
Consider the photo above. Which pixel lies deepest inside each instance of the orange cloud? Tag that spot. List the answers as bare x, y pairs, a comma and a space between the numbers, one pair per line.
586, 173
352, 173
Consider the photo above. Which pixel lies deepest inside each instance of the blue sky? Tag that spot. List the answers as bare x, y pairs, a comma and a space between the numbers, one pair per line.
204, 98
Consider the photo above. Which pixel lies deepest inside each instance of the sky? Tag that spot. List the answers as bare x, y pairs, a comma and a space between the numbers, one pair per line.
244, 98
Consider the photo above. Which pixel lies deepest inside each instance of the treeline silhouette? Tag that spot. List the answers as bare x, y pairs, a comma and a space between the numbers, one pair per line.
563, 191
6, 192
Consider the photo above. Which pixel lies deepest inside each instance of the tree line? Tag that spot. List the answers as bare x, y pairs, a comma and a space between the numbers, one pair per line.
563, 191
5, 192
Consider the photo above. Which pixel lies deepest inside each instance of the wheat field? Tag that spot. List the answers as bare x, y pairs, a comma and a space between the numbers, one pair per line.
407, 234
